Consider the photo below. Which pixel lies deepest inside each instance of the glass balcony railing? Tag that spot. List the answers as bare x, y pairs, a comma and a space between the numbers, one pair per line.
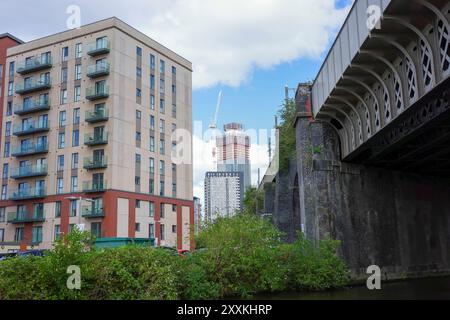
29, 171
33, 86
92, 212
98, 70
95, 163
97, 115
32, 106
30, 149
97, 92
94, 186
31, 127
95, 139
27, 193
24, 216
99, 47
34, 64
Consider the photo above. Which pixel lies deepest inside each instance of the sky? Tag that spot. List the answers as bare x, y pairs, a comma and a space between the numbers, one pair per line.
248, 49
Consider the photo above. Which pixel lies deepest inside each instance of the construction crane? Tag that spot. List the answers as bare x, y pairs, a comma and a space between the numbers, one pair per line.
213, 126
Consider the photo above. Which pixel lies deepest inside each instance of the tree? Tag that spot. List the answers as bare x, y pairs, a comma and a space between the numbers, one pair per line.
253, 201
287, 145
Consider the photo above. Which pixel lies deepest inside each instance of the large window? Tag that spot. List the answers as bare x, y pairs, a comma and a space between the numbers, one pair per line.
62, 118
57, 209
162, 232
63, 75
61, 140
60, 165
63, 96
65, 54
18, 235
162, 66
78, 50
59, 185
78, 72
151, 209
151, 230
57, 232
2, 214
76, 116
74, 161
152, 62
96, 229
75, 138
36, 234
73, 184
73, 208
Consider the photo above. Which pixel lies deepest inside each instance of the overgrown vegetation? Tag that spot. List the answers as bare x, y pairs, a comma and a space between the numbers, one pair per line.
240, 256
287, 146
253, 200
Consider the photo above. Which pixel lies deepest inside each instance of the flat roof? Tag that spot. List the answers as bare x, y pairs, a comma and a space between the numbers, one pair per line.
104, 24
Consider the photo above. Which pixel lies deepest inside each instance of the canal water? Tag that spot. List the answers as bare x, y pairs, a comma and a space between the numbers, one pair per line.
429, 288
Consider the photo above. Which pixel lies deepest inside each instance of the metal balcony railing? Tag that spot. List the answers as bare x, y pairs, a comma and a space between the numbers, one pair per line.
33, 86
31, 127
94, 186
95, 139
29, 171
90, 163
99, 47
91, 212
27, 193
32, 106
36, 63
97, 115
98, 70
26, 217
30, 149
97, 92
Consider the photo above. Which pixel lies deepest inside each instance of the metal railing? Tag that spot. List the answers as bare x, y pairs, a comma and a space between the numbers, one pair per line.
32, 106
29, 171
31, 127
34, 64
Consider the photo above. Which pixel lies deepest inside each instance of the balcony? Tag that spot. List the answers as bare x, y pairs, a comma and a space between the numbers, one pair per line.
94, 186
90, 212
30, 149
94, 139
98, 70
28, 193
99, 47
97, 115
33, 86
26, 217
31, 127
97, 92
91, 163
29, 171
34, 64
32, 106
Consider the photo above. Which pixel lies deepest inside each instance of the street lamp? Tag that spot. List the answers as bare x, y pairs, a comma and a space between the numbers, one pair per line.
78, 209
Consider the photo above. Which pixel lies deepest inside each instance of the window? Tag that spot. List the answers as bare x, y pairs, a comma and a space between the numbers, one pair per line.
162, 146
162, 106
152, 165
152, 122
162, 85
2, 235
5, 171
60, 163
36, 234
138, 136
162, 186
139, 51
162, 126
174, 228
137, 158
162, 66
96, 229
57, 209
6, 149
138, 114
4, 192
77, 94
174, 189
137, 227
138, 72
62, 118
174, 110
75, 138
2, 214
151, 209
152, 144
174, 70
18, 235
77, 71
162, 165
61, 140
174, 207
174, 89
152, 102
59, 185
10, 88
137, 180
57, 232
76, 116
71, 227
138, 203
138, 92
161, 232
63, 96
152, 82
9, 108
152, 62
11, 69
174, 169
74, 164
63, 75
151, 230
78, 50
65, 54
174, 127
73, 184
73, 208
151, 186
8, 128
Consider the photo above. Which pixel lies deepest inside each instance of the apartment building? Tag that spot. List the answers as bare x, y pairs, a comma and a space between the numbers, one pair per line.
87, 139
223, 194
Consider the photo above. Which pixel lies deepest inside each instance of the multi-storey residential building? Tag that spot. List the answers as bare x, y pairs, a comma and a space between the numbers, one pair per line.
223, 194
89, 141
233, 152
